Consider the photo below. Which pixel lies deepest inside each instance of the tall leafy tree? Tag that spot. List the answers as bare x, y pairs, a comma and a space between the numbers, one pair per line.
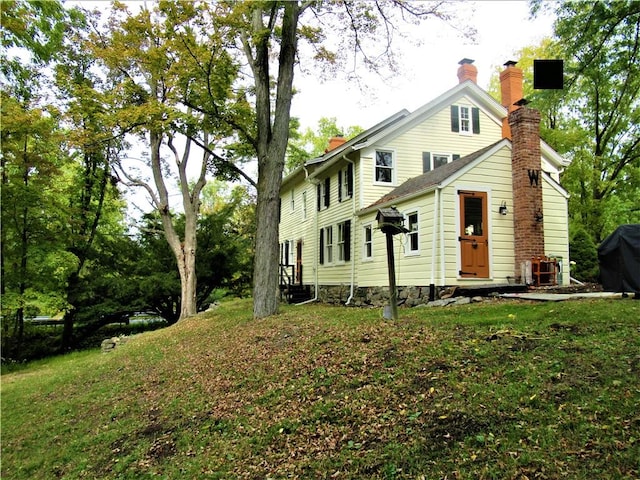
269, 35
35, 261
598, 114
223, 260
149, 58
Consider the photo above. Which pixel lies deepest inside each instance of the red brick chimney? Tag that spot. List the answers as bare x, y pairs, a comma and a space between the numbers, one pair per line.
511, 90
335, 142
467, 71
526, 171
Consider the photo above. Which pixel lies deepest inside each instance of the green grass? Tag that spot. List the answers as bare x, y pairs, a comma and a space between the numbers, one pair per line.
484, 391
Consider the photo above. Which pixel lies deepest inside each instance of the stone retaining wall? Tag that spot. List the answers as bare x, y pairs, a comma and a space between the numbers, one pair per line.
374, 296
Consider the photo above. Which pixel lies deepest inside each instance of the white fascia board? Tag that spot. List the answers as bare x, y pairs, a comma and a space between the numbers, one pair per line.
549, 179
553, 157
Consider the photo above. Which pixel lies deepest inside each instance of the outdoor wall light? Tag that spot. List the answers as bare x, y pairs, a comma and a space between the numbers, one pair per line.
538, 216
502, 210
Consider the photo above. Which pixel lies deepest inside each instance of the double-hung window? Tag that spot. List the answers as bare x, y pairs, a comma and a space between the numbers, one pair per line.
304, 205
323, 194
384, 166
345, 183
344, 241
413, 245
367, 242
328, 244
465, 120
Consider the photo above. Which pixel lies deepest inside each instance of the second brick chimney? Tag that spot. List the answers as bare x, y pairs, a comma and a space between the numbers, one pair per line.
467, 71
335, 142
526, 171
511, 79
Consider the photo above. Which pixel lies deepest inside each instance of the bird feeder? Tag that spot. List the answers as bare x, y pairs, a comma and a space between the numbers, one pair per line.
391, 222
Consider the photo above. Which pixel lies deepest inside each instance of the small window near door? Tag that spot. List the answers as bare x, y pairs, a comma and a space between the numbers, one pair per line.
367, 245
413, 244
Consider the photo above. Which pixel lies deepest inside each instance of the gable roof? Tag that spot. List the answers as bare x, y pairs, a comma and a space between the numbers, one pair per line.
324, 161
467, 88
404, 120
437, 177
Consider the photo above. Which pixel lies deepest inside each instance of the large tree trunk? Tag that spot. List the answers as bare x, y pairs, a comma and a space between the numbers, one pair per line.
272, 145
184, 251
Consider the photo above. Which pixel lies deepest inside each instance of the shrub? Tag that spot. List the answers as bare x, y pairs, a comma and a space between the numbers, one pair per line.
583, 251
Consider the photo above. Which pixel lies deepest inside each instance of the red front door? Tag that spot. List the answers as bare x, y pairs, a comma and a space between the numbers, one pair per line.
474, 235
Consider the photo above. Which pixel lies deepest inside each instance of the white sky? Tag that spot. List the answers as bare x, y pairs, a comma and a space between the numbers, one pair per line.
503, 28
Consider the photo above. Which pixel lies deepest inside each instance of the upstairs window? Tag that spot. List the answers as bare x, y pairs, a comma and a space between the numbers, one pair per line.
323, 194
431, 161
465, 120
345, 183
384, 167
304, 205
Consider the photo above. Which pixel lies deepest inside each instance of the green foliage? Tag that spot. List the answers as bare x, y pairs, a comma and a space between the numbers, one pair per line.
595, 120
312, 144
224, 258
583, 253
493, 390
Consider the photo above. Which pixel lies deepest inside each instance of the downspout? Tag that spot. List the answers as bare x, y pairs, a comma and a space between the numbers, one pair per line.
436, 229
441, 228
353, 233
315, 256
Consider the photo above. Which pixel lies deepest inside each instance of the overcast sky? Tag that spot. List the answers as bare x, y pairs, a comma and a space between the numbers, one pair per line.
503, 28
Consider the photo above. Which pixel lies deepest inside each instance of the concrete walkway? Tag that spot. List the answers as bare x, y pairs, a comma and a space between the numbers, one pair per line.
559, 297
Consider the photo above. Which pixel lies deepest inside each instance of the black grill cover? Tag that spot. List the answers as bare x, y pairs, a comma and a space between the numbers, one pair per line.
619, 258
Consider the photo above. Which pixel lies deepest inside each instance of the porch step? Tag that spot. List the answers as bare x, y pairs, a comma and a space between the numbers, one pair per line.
484, 290
297, 293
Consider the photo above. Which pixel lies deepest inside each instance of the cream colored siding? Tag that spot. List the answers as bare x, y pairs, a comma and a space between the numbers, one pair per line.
556, 228
492, 176
336, 272
433, 135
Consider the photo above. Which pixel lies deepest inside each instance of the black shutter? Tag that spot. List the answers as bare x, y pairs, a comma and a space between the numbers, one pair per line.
475, 119
455, 157
321, 246
327, 191
286, 253
350, 180
279, 209
455, 119
347, 240
319, 195
426, 162
339, 185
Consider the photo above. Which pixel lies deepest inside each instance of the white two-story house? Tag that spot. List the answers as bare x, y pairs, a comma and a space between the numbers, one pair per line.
478, 189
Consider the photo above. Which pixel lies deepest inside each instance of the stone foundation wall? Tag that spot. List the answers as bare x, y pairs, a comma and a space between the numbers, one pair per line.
374, 296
